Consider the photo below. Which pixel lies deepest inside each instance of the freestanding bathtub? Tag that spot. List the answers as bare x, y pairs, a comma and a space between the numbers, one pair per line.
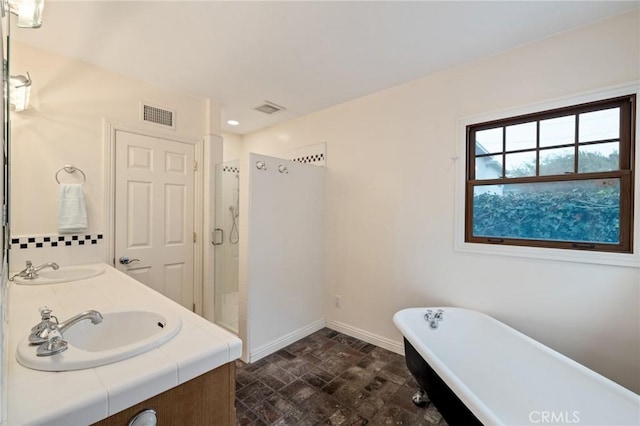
477, 370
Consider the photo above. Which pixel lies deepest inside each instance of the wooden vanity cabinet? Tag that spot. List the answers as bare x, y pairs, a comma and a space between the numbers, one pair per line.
208, 399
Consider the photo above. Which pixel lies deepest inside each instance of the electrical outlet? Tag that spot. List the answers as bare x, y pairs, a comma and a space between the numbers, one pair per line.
337, 301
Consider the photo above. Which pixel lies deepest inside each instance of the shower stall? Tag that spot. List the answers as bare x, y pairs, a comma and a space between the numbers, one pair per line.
226, 237
282, 281
269, 242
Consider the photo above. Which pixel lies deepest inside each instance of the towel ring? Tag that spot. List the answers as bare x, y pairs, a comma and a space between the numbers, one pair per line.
70, 168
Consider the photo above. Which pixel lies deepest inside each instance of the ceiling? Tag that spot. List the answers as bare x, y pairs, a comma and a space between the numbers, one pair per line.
304, 56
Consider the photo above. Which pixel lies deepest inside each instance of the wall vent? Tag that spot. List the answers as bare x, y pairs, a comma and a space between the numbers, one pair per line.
268, 107
158, 116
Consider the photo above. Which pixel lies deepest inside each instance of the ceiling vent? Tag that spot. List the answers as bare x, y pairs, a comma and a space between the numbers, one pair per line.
269, 108
158, 116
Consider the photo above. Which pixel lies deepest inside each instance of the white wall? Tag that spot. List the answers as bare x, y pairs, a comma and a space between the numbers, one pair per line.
390, 203
232, 149
282, 284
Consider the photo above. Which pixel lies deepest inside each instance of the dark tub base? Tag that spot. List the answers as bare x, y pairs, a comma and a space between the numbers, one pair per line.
452, 409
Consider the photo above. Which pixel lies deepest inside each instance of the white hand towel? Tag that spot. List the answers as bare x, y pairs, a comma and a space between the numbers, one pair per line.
72, 211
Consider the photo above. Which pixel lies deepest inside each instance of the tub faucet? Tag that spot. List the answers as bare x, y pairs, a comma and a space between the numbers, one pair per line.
31, 272
434, 318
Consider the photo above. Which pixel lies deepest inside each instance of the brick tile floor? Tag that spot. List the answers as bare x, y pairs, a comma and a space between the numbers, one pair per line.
333, 379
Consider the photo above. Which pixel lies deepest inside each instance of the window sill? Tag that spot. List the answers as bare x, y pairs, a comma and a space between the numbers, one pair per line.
580, 256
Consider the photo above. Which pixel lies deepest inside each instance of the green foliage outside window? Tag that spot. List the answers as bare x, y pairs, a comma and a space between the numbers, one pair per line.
579, 215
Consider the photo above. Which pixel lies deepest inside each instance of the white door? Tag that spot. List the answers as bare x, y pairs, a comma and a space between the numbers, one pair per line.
154, 213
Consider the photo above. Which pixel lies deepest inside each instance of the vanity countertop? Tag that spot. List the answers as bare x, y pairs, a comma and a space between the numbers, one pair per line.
83, 397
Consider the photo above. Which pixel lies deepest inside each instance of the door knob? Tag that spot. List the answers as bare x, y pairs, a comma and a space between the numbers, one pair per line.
126, 261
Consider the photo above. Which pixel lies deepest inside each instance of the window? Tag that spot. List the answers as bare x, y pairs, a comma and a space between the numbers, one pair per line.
561, 178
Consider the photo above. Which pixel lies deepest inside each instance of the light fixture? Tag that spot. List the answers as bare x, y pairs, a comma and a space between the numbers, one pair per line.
233, 122
19, 91
29, 12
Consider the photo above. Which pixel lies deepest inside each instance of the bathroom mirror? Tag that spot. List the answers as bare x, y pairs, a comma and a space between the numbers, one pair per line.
79, 113
4, 135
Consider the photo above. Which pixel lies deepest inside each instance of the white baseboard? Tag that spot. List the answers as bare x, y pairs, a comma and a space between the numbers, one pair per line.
285, 340
374, 339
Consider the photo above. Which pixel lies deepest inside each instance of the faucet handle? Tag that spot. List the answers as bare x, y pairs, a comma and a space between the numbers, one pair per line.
429, 315
45, 312
54, 336
40, 331
45, 316
54, 344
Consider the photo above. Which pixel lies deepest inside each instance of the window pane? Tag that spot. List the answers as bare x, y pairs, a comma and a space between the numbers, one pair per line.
558, 131
489, 141
601, 157
489, 167
599, 125
557, 161
521, 164
575, 211
521, 136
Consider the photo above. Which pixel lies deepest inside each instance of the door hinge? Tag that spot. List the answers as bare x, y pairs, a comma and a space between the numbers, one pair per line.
194, 237
195, 166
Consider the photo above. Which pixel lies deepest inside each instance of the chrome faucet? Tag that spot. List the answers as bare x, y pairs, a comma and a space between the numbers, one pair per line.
53, 265
40, 332
49, 335
434, 319
94, 316
31, 272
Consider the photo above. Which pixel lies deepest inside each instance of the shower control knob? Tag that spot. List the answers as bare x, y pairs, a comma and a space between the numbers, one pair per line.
124, 260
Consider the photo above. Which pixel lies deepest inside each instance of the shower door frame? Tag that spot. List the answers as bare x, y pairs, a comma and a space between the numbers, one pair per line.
220, 270
111, 129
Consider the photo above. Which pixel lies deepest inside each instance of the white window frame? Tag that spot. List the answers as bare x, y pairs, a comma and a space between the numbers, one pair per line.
604, 258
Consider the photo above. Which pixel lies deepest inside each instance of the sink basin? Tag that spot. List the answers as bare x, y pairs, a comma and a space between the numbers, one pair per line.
120, 335
64, 274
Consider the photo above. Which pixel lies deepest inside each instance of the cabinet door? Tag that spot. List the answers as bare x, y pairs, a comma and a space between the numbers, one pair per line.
206, 400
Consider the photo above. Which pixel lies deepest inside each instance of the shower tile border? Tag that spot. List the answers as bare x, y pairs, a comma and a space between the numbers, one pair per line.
310, 159
231, 169
42, 241
305, 159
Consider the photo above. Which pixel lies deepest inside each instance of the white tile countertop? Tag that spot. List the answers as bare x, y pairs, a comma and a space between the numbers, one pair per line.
83, 397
